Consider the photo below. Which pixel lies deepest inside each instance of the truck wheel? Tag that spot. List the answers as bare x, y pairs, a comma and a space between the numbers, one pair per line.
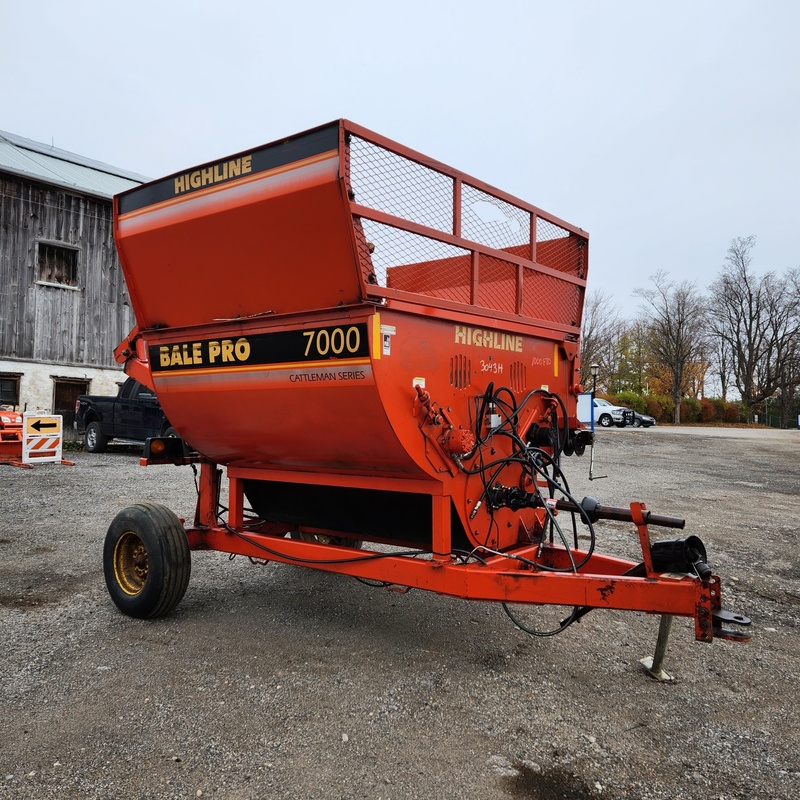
146, 561
94, 439
171, 433
605, 420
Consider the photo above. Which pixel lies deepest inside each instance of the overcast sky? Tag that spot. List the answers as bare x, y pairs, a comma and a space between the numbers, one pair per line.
662, 129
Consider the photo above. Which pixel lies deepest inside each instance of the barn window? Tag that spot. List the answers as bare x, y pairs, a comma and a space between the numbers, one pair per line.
58, 264
9, 390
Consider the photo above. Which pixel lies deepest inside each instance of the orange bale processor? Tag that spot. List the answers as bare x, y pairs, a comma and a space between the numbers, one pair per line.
397, 348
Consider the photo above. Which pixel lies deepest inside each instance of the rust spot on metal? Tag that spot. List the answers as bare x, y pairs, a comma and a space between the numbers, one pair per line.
606, 591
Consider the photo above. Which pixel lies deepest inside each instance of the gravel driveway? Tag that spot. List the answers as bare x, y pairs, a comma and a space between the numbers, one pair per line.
281, 682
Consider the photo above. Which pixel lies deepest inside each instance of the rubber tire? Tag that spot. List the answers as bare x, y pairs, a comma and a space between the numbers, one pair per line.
605, 420
146, 561
94, 440
636, 422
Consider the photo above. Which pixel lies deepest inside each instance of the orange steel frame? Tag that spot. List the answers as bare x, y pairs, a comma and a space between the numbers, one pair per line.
601, 583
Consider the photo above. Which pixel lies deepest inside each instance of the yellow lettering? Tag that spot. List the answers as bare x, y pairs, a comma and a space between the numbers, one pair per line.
227, 350
242, 349
215, 174
176, 356
496, 340
163, 356
213, 351
197, 353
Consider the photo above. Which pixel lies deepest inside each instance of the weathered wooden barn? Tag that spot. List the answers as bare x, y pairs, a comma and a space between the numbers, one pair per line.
63, 301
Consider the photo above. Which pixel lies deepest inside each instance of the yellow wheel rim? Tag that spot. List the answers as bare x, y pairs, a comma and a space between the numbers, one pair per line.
130, 563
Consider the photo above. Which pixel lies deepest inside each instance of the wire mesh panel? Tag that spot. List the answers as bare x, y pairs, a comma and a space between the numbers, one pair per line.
559, 249
477, 250
547, 298
387, 182
497, 284
412, 263
488, 220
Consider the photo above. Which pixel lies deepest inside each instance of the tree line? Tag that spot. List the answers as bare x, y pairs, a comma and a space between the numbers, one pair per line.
729, 351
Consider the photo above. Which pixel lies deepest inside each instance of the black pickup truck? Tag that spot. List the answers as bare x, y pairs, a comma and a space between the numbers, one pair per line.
131, 417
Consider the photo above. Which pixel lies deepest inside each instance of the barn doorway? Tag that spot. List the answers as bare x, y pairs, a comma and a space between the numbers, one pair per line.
65, 393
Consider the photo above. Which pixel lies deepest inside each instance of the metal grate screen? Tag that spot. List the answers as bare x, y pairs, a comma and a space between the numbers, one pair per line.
475, 248
399, 186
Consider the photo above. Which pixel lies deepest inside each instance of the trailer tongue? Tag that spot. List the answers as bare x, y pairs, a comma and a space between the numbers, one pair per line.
397, 344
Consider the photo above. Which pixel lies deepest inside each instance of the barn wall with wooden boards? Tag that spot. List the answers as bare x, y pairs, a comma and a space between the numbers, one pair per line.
63, 301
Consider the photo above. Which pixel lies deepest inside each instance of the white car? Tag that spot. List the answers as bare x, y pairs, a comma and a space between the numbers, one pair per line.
606, 414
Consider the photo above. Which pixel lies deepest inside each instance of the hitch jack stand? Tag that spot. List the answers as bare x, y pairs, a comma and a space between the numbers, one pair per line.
592, 476
655, 664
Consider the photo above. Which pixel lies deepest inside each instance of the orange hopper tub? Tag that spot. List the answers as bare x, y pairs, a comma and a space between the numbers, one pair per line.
347, 302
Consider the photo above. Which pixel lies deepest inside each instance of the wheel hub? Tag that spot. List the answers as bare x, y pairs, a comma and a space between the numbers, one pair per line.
130, 563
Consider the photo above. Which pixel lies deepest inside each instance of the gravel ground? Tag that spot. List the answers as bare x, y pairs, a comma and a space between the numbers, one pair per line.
280, 682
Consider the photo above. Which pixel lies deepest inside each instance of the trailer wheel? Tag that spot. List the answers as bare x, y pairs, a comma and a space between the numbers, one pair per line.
94, 440
146, 561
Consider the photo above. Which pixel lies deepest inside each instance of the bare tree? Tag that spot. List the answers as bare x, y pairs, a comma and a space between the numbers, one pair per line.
633, 372
759, 319
785, 324
677, 331
719, 351
599, 333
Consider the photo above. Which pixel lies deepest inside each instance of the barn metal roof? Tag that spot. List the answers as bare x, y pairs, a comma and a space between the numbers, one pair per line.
57, 167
